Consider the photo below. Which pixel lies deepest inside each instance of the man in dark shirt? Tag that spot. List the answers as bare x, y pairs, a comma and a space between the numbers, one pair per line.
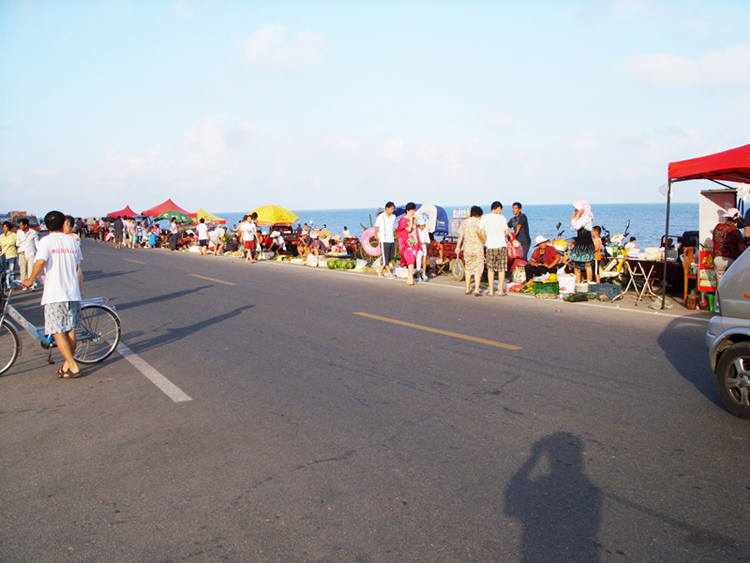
519, 226
118, 232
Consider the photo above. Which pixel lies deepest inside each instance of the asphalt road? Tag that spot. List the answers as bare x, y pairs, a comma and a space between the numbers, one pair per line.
483, 429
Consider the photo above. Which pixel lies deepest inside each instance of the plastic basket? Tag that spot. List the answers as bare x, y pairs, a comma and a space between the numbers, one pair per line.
546, 290
608, 289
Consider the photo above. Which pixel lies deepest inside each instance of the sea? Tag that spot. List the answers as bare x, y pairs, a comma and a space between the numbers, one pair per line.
647, 220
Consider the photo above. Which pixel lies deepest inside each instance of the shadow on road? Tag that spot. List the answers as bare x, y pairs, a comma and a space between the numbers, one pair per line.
92, 275
160, 298
683, 344
175, 334
559, 507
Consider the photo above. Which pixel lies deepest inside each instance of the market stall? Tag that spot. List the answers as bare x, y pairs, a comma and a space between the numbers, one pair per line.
732, 165
165, 207
127, 212
208, 218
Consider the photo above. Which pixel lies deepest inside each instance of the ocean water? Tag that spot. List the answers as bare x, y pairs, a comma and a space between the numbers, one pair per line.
647, 220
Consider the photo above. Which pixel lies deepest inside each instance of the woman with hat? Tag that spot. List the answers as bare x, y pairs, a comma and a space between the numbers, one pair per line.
408, 241
544, 259
278, 244
582, 254
337, 245
728, 242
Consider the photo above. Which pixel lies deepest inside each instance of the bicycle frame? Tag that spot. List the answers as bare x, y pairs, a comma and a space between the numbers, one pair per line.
47, 341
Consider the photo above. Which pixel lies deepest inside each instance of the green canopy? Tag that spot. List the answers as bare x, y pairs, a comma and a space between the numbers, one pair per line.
181, 217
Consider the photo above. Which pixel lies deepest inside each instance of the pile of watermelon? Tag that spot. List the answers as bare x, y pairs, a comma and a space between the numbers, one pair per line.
342, 264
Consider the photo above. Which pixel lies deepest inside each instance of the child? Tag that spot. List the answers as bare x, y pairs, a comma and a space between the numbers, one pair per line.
596, 234
424, 242
631, 247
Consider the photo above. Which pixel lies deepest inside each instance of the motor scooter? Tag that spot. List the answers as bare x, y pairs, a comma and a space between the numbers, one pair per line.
516, 263
613, 253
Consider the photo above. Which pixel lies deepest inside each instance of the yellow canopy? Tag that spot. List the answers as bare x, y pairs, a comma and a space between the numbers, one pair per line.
274, 215
208, 218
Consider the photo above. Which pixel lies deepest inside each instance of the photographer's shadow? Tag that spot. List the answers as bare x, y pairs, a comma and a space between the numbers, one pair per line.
559, 507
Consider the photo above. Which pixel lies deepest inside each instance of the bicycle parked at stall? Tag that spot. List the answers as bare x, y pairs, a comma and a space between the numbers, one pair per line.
97, 337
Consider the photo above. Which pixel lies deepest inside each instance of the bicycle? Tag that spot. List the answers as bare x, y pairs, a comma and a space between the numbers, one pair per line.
97, 337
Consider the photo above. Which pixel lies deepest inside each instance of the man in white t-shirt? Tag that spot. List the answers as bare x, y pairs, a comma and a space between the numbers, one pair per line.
249, 236
384, 224
493, 230
59, 256
202, 229
26, 241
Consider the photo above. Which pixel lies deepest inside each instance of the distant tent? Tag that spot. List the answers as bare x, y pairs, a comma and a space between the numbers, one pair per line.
208, 218
127, 212
168, 205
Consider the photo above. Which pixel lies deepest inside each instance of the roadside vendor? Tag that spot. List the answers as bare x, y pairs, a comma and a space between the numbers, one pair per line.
435, 255
728, 242
278, 245
337, 246
544, 259
316, 246
303, 244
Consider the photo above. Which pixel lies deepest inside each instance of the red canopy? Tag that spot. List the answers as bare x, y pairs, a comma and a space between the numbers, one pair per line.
127, 212
168, 205
732, 165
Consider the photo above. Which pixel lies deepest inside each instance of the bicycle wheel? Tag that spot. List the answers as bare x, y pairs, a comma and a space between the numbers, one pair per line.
98, 335
10, 345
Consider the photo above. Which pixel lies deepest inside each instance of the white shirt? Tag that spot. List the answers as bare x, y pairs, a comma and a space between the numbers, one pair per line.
27, 242
424, 236
494, 225
202, 229
384, 224
248, 230
217, 235
62, 255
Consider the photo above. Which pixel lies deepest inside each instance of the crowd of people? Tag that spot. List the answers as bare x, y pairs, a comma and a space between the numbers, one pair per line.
420, 252
486, 241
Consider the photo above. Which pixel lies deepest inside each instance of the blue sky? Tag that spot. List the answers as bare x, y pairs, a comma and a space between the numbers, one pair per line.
313, 105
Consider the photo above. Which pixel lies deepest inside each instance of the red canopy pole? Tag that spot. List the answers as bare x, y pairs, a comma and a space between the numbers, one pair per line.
666, 248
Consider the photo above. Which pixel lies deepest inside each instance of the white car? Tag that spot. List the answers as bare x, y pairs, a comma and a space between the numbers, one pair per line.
728, 337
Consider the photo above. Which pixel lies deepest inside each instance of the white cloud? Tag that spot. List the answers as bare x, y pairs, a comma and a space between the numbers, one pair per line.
207, 135
393, 150
721, 70
123, 164
633, 137
586, 141
268, 49
495, 120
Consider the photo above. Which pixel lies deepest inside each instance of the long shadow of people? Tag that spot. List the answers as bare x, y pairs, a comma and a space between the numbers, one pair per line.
175, 334
560, 509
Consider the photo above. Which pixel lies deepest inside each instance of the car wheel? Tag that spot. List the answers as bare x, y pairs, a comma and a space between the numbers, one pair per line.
458, 269
733, 379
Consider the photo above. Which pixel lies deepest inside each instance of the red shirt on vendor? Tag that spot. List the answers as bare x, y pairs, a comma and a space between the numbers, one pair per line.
547, 256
